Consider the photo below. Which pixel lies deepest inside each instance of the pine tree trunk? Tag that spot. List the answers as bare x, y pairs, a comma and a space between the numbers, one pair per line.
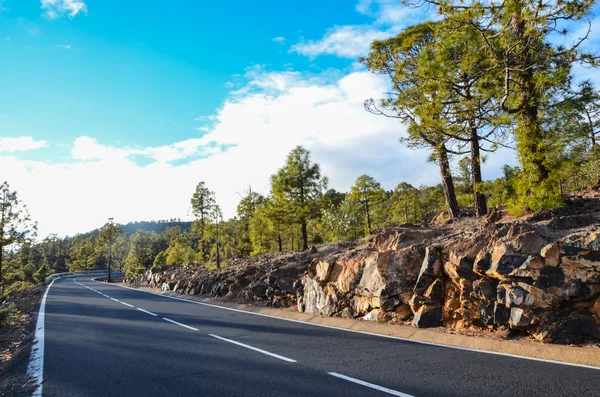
304, 235
480, 203
447, 183
368, 216
280, 243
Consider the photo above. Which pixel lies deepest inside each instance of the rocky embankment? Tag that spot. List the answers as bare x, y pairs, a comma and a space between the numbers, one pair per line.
539, 275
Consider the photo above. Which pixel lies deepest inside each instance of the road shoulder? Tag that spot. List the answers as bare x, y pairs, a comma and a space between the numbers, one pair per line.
17, 343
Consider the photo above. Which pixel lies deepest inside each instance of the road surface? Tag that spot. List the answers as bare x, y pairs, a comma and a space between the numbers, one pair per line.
106, 340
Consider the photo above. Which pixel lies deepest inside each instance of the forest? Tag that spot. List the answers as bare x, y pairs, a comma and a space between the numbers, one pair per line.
485, 76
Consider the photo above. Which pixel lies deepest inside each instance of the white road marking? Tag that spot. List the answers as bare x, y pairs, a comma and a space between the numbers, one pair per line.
371, 333
126, 304
289, 360
106, 296
371, 385
35, 369
183, 325
147, 312
116, 300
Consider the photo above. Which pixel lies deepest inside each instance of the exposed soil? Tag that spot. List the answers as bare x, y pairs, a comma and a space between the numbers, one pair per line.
15, 342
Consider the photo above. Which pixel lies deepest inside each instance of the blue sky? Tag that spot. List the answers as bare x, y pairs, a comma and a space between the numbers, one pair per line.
142, 75
119, 108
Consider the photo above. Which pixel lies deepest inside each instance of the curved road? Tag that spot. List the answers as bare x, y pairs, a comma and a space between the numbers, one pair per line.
106, 340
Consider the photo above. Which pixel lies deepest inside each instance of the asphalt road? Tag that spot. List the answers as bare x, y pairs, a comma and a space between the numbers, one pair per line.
105, 340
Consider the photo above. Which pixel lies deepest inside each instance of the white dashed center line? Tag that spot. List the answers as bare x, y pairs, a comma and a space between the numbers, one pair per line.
126, 304
289, 360
371, 385
147, 312
182, 325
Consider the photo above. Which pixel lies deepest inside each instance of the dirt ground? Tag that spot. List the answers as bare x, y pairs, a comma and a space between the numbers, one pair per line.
15, 342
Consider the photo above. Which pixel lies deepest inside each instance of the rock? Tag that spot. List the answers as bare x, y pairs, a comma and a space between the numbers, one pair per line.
405, 313
582, 267
259, 290
515, 296
347, 312
551, 254
550, 277
363, 304
313, 250
373, 315
486, 312
371, 281
589, 291
485, 288
429, 316
503, 262
461, 268
416, 302
596, 308
430, 269
323, 270
529, 243
345, 271
316, 300
519, 318
435, 292
571, 222
501, 314
482, 262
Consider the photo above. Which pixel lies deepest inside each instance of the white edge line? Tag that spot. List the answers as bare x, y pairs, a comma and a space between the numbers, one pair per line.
126, 304
371, 333
147, 312
371, 385
289, 360
116, 300
35, 369
182, 325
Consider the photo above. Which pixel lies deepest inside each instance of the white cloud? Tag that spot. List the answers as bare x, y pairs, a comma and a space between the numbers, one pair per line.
276, 112
56, 8
279, 39
64, 46
19, 144
350, 41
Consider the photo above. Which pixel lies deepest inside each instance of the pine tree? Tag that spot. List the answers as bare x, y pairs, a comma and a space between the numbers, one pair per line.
16, 226
299, 187
367, 192
402, 59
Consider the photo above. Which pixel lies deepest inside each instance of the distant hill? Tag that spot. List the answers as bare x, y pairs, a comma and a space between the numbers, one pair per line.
150, 226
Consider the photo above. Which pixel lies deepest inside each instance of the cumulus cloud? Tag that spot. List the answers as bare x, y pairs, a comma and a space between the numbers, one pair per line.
54, 9
350, 41
19, 144
247, 140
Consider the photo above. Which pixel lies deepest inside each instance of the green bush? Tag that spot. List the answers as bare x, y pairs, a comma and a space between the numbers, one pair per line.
7, 313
